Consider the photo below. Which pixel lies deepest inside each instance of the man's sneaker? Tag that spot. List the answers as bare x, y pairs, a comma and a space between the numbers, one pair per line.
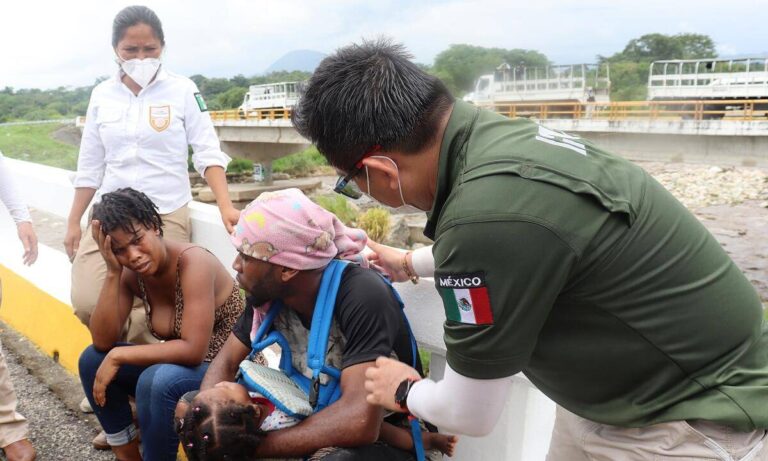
85, 406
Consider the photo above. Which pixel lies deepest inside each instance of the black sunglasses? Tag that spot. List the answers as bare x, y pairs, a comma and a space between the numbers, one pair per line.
348, 188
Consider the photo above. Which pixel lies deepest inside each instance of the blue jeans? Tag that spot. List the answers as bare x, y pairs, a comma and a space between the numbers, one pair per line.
157, 388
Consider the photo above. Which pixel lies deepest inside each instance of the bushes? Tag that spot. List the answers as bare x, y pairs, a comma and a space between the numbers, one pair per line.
339, 206
240, 165
301, 163
375, 223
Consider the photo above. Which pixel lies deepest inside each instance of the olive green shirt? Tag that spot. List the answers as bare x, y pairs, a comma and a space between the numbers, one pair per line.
574, 266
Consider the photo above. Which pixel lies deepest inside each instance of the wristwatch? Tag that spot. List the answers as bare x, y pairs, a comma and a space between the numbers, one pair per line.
401, 394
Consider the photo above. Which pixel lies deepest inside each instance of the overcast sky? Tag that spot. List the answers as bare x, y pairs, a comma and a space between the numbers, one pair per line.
52, 43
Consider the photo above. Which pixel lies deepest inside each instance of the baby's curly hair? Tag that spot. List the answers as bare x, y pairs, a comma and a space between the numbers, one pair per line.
122, 207
227, 432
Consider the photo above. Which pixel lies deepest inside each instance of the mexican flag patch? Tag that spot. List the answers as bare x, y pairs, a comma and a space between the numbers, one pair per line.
465, 298
201, 102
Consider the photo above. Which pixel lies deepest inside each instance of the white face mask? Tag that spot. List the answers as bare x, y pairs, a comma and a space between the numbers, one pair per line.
404, 207
141, 71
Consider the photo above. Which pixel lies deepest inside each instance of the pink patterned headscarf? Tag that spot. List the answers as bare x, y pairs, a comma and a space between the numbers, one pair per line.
287, 228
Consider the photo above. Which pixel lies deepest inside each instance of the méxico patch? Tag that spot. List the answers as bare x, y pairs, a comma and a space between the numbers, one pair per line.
201, 102
465, 297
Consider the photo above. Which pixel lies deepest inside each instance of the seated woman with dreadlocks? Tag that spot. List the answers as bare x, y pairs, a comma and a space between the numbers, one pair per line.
191, 303
226, 422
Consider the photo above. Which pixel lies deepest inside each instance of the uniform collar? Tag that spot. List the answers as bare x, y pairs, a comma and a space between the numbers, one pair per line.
451, 161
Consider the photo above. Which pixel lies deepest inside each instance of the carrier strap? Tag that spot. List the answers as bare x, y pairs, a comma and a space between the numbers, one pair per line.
322, 318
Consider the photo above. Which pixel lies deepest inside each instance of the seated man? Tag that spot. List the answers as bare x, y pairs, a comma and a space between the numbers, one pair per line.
284, 241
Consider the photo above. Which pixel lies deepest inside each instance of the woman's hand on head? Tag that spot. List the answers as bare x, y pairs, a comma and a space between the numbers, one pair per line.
105, 247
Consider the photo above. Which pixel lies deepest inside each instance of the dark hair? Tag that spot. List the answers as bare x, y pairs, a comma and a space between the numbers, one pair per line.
226, 432
132, 15
123, 207
369, 94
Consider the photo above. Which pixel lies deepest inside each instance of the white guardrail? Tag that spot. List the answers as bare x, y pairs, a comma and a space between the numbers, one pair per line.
42, 122
523, 432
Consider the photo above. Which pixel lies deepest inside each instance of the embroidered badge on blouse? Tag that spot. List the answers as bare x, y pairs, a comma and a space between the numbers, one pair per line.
159, 117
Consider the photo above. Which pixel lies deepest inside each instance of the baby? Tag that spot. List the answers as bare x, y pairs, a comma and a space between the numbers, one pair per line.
228, 422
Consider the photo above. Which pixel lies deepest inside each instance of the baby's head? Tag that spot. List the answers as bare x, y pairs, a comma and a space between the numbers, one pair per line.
220, 423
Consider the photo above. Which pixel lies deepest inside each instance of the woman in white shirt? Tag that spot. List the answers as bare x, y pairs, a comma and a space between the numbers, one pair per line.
138, 128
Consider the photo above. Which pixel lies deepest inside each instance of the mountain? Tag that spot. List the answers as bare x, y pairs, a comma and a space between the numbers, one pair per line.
304, 60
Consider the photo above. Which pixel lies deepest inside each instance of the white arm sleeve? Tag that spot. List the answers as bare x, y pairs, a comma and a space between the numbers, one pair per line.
423, 262
460, 405
10, 196
201, 135
91, 163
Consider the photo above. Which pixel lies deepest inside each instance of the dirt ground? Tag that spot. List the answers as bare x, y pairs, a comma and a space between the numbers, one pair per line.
743, 231
68, 134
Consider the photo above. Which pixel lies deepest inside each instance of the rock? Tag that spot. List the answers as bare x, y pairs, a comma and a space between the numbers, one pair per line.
698, 186
399, 232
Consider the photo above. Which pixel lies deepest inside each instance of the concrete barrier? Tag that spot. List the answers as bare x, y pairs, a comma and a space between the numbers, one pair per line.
36, 303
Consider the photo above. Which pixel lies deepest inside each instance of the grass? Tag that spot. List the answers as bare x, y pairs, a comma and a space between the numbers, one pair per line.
240, 165
33, 143
339, 206
375, 223
426, 358
301, 163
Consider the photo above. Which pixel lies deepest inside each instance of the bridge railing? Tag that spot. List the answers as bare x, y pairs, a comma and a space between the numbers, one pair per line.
734, 110
278, 113
36, 303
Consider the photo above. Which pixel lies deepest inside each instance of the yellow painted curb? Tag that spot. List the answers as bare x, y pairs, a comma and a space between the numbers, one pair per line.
43, 319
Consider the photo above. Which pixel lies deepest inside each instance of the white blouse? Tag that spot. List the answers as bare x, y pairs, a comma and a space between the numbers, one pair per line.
142, 141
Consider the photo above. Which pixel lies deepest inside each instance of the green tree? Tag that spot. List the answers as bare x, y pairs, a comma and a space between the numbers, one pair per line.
460, 65
697, 46
231, 99
629, 68
656, 47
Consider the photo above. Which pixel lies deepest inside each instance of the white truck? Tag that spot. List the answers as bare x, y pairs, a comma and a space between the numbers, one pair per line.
282, 95
709, 79
567, 83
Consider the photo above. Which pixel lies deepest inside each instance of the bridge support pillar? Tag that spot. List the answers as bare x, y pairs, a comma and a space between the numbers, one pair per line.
261, 152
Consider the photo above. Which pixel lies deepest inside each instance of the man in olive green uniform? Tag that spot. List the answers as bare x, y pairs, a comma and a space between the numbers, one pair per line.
553, 258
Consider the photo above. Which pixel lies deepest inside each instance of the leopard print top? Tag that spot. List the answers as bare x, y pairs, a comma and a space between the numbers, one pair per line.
224, 318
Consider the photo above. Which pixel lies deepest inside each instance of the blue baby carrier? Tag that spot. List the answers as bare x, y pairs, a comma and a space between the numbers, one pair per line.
320, 395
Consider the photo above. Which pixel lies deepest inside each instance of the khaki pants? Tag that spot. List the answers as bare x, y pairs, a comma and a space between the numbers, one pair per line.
13, 426
577, 439
89, 271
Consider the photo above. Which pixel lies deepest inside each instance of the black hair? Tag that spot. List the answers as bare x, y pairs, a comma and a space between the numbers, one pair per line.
369, 94
132, 15
124, 207
226, 432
